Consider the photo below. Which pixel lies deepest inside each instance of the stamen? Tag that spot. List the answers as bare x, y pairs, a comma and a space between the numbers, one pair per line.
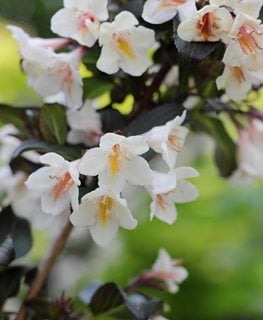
63, 185
205, 26
247, 39
104, 210
172, 3
175, 141
161, 202
124, 47
114, 159
238, 74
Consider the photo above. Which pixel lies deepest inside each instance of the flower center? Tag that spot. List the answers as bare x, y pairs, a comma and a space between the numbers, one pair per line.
161, 201
124, 46
172, 3
83, 16
114, 159
238, 74
175, 142
205, 26
247, 39
105, 208
64, 183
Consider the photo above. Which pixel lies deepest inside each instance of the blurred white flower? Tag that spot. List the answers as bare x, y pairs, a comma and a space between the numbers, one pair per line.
250, 154
57, 183
168, 139
168, 270
85, 125
211, 23
246, 43
125, 45
55, 77
116, 161
168, 189
60, 80
80, 20
103, 211
8, 143
160, 11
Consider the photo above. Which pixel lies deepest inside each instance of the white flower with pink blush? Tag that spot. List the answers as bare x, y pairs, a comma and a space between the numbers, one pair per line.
125, 45
160, 11
60, 81
250, 153
57, 183
167, 189
211, 23
168, 140
168, 270
116, 161
80, 20
85, 125
246, 43
103, 211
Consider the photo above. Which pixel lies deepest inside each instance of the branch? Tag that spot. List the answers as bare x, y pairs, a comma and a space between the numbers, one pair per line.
45, 267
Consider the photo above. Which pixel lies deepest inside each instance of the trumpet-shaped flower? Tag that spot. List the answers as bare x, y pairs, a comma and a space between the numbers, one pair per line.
60, 80
80, 20
85, 125
168, 270
55, 77
236, 80
103, 211
57, 183
160, 11
117, 160
125, 45
211, 23
246, 44
250, 152
168, 139
171, 188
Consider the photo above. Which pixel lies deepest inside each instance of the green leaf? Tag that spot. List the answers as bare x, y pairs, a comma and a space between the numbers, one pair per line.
192, 52
111, 302
156, 117
19, 117
15, 237
53, 124
96, 86
69, 153
225, 152
10, 280
7, 252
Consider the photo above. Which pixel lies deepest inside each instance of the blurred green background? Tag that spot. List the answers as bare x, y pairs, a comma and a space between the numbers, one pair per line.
219, 237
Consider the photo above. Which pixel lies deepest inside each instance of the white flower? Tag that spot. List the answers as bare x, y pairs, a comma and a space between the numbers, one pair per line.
117, 160
125, 45
80, 20
57, 183
160, 11
211, 23
168, 270
250, 152
8, 143
55, 77
8, 183
171, 188
236, 80
59, 81
228, 3
246, 48
85, 125
168, 139
103, 211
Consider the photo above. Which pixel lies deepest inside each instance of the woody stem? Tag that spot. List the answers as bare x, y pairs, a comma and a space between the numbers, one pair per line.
45, 267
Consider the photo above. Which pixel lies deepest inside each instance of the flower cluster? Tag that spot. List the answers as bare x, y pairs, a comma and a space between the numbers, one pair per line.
117, 161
